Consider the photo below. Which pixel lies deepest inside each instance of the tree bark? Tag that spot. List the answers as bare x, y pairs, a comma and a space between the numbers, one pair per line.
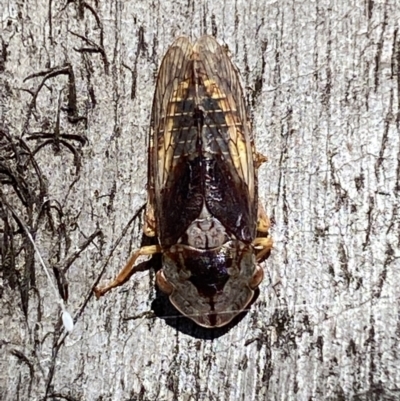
322, 82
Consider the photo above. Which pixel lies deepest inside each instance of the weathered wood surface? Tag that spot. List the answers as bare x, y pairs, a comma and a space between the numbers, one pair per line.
322, 79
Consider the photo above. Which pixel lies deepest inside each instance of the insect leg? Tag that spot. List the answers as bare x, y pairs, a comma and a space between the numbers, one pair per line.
263, 223
263, 246
150, 226
128, 270
260, 159
263, 243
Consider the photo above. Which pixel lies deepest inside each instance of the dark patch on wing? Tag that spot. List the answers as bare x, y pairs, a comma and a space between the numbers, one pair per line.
181, 201
227, 199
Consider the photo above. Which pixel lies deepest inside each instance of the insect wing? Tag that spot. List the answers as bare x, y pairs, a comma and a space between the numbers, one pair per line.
201, 147
175, 188
231, 186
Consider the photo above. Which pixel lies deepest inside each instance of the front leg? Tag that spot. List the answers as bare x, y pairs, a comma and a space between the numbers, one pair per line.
149, 229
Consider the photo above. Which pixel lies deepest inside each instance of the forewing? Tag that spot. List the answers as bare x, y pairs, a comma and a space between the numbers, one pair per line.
173, 183
231, 191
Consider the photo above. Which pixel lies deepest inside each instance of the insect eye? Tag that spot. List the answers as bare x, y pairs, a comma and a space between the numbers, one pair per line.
257, 278
163, 284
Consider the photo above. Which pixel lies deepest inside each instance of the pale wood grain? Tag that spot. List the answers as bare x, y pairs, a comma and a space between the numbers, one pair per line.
322, 79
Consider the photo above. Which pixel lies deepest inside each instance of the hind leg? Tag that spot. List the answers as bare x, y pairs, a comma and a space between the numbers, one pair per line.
129, 269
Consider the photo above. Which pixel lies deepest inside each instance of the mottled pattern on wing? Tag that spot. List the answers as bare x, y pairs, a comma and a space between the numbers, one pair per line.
223, 84
173, 77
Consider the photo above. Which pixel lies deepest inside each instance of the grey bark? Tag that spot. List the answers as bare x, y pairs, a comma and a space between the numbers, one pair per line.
322, 81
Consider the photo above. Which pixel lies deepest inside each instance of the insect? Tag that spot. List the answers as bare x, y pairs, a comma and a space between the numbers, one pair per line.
202, 187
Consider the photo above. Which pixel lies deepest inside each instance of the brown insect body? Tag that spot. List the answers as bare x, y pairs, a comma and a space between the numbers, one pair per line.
202, 186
